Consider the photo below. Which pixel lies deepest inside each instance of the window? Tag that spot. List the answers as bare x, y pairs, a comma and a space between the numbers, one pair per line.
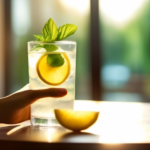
125, 29
112, 45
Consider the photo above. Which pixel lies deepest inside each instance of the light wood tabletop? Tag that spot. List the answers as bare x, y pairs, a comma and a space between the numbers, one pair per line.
121, 125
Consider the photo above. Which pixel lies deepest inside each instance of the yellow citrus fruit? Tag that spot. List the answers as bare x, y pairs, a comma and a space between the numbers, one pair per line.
53, 75
76, 120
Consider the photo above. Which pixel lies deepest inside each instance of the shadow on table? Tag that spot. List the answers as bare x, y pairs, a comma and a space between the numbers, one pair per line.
47, 134
79, 137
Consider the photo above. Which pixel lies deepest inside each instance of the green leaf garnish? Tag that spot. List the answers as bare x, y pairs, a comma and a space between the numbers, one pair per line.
37, 47
39, 37
66, 30
50, 48
50, 33
55, 60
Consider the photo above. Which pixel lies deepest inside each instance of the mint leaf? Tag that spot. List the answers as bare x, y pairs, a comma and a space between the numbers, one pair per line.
50, 31
50, 48
55, 60
39, 37
37, 47
66, 30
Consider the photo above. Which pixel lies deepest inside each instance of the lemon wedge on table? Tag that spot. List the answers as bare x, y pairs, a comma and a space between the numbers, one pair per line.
76, 120
53, 75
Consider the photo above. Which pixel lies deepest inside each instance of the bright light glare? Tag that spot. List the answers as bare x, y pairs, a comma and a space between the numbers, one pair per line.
119, 123
49, 133
20, 16
120, 12
79, 5
16, 129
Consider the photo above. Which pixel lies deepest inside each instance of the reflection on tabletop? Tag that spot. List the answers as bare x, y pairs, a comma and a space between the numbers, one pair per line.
48, 134
118, 122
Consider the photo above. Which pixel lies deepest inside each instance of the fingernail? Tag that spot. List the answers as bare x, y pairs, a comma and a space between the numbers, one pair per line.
62, 91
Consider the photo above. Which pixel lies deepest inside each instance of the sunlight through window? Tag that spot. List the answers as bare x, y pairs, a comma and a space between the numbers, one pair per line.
20, 17
120, 12
79, 5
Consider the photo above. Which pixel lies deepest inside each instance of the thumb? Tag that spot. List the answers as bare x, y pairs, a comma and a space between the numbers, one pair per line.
25, 98
51, 92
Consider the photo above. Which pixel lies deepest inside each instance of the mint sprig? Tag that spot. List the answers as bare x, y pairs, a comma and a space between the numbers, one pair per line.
49, 48
51, 33
55, 60
39, 37
37, 47
66, 30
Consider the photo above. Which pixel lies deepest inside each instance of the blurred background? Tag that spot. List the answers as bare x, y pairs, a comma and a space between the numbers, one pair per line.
123, 49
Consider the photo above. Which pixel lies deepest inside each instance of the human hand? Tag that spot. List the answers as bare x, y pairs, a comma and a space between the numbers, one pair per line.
15, 108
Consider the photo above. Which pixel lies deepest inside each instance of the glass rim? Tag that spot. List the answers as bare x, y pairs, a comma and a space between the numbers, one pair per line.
55, 42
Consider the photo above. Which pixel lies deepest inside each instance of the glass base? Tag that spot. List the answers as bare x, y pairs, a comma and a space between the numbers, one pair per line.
44, 121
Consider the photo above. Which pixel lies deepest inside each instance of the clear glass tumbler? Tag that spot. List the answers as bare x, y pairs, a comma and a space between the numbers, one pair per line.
42, 75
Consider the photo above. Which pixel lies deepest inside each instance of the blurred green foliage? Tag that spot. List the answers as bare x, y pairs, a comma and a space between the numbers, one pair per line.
128, 46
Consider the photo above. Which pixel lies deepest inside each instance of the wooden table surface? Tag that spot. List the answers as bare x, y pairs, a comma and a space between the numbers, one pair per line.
120, 126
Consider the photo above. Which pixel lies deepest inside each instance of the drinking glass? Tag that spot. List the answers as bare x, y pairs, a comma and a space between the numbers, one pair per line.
42, 76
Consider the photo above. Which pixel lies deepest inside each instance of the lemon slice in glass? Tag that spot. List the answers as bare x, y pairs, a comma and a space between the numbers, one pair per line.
76, 120
53, 75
